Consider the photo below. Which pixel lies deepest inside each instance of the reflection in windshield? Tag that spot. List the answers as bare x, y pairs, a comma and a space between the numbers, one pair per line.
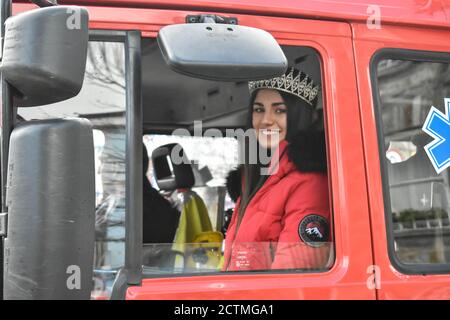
419, 198
400, 151
201, 257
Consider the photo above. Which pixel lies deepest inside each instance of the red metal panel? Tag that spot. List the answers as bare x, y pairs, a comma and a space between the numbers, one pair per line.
149, 21
347, 279
413, 12
394, 285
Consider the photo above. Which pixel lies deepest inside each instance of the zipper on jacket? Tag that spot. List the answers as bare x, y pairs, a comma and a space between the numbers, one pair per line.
238, 223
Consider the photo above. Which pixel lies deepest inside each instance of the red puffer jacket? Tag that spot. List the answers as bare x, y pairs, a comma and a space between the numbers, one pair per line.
285, 226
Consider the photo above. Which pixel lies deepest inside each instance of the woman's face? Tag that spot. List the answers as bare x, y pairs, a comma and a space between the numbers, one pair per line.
269, 118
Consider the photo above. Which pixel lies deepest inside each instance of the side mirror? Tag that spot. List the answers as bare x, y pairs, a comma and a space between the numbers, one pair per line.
45, 52
49, 249
172, 167
221, 52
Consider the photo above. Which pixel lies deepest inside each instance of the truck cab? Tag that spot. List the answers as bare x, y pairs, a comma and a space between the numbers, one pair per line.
382, 70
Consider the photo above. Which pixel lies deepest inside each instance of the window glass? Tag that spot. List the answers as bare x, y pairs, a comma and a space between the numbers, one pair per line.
179, 109
212, 160
102, 101
419, 196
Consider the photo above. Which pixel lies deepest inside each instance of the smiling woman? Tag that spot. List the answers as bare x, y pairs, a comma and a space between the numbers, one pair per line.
281, 220
285, 220
269, 118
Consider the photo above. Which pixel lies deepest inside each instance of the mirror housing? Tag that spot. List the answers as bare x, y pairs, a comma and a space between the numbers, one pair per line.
45, 53
49, 249
221, 52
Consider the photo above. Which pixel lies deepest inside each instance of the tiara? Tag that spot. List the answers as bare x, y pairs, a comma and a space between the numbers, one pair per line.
295, 82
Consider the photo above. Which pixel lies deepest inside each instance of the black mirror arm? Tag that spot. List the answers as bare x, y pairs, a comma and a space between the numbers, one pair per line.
210, 18
45, 3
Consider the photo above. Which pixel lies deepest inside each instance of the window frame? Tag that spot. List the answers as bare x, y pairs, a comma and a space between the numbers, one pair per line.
407, 55
333, 253
131, 272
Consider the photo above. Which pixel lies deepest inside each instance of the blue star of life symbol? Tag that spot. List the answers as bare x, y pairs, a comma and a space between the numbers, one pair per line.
437, 125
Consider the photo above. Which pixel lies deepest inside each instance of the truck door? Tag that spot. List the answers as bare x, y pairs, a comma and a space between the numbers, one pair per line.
349, 275
402, 73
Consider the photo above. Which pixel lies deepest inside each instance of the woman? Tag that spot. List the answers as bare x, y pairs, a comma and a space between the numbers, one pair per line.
281, 220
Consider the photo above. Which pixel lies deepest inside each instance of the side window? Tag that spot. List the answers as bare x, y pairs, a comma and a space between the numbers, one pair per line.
212, 159
211, 121
194, 239
417, 198
102, 101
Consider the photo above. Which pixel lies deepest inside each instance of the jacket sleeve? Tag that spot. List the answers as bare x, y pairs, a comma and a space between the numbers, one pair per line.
305, 238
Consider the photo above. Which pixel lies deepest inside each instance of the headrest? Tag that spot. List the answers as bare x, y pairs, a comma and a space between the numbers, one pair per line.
172, 167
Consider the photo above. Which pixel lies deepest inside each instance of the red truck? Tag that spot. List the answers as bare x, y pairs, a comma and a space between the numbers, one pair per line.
384, 71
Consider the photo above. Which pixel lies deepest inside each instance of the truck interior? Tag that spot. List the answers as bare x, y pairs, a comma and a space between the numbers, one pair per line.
206, 110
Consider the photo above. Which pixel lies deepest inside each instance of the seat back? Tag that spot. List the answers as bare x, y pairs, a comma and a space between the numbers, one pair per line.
173, 171
172, 168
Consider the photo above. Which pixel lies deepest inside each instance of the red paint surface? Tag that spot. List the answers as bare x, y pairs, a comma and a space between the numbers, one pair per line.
394, 285
345, 46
